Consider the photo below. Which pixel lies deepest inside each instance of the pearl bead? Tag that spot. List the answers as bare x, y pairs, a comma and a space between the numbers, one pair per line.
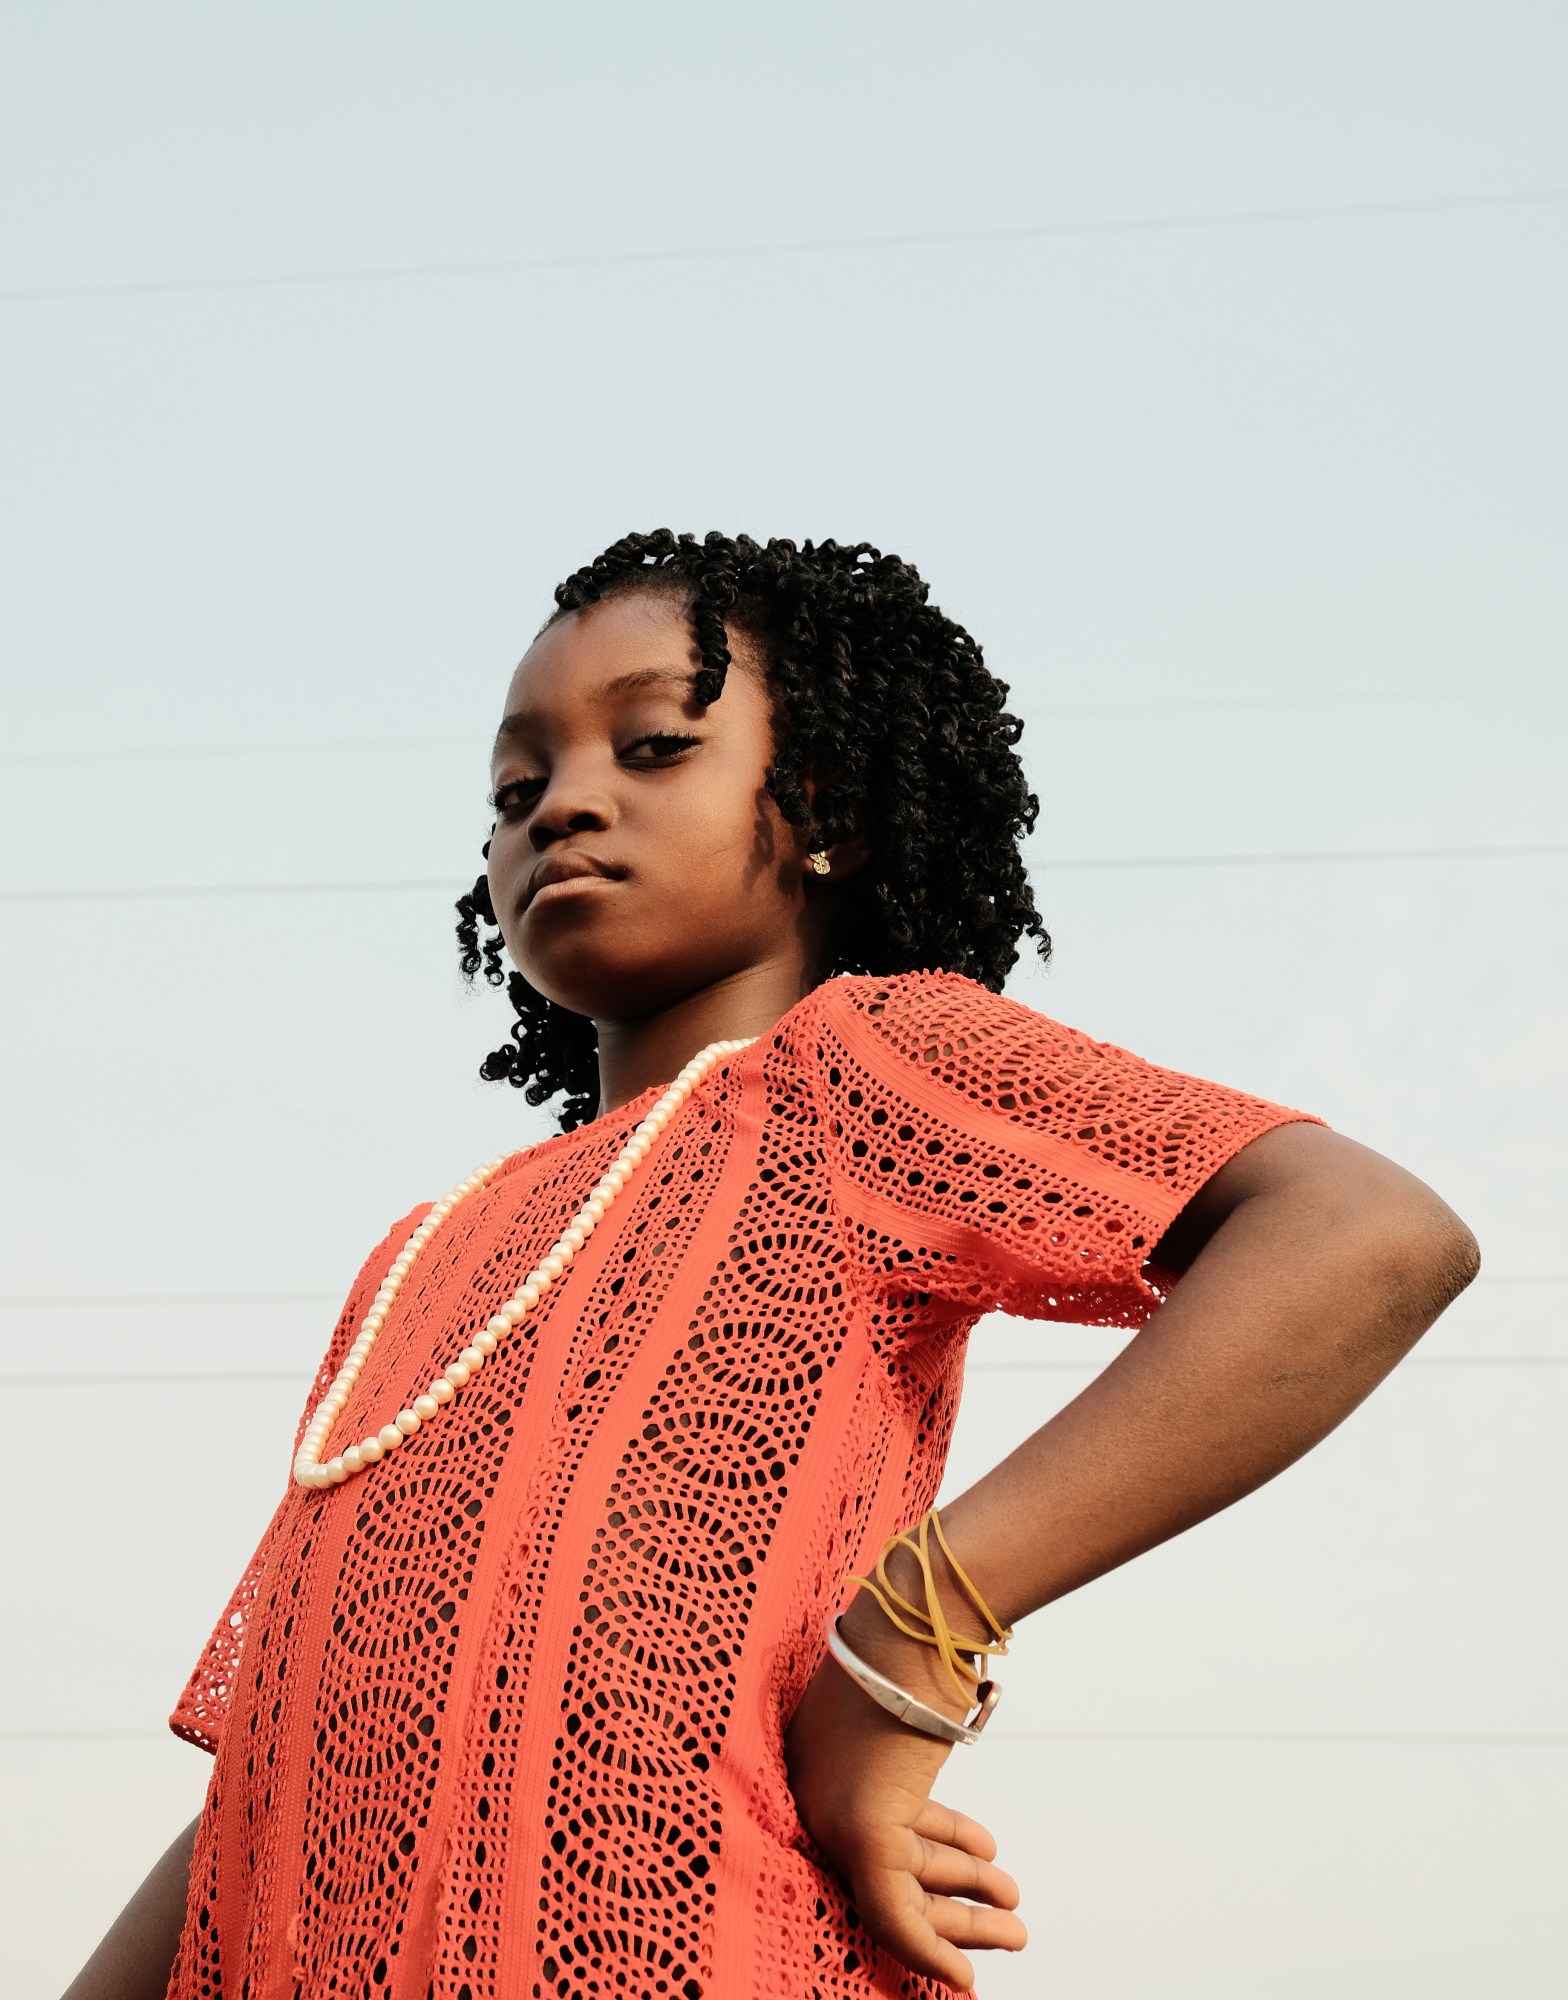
308, 1469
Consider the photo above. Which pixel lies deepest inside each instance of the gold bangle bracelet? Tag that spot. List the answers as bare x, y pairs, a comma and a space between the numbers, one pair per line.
937, 1631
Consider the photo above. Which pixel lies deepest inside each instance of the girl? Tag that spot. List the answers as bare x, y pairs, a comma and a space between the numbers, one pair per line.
584, 1655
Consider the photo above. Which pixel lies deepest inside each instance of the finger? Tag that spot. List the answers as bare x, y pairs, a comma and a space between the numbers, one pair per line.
893, 1913
927, 1932
954, 1829
949, 1871
974, 1926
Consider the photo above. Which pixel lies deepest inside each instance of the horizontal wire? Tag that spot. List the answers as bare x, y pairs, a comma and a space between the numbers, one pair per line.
1528, 851
1345, 698
1351, 1738
1202, 704
932, 239
449, 885
180, 891
302, 1377
1348, 1738
27, 1301
1413, 1361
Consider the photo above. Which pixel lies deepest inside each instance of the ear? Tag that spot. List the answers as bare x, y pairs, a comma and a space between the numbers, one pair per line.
844, 857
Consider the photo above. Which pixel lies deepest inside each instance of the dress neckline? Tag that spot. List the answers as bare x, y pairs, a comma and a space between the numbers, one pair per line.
609, 1122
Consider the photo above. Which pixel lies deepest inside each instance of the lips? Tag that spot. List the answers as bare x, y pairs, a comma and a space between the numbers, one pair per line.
569, 867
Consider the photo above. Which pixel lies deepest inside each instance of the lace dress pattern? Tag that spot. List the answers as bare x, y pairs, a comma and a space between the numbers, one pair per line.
502, 1718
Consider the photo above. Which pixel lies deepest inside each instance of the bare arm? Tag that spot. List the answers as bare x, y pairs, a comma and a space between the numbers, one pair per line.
137, 1954
1312, 1265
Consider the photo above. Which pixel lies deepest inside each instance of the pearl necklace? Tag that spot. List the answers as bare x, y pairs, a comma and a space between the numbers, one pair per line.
309, 1468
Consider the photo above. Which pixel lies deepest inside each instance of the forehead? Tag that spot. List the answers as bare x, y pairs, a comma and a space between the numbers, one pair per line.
598, 659
580, 656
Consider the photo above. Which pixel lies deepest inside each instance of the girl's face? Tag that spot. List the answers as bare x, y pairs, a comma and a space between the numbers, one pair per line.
637, 858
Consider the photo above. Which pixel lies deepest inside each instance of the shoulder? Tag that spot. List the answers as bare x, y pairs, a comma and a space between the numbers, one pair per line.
379, 1262
935, 1019
964, 1051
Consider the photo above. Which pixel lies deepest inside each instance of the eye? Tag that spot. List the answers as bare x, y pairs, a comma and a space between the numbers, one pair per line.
665, 748
515, 797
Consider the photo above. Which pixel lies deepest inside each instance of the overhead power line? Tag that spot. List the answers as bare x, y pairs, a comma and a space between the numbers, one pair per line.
1342, 698
1350, 1738
180, 891
815, 246
1536, 851
29, 1300
472, 740
450, 885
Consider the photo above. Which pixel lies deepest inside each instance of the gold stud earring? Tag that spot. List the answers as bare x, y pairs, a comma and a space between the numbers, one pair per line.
820, 863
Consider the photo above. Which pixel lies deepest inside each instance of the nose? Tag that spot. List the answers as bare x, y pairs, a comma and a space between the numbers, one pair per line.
570, 803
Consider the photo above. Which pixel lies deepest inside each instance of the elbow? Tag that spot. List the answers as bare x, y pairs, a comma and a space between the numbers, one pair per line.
1463, 1258
1426, 1257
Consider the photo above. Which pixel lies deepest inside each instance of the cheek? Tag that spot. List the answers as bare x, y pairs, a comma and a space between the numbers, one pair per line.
505, 869
732, 833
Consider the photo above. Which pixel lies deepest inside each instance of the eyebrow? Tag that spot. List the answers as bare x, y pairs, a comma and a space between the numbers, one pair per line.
522, 720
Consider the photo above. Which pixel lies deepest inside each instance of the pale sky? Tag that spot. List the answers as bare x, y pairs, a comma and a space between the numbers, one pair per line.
1208, 361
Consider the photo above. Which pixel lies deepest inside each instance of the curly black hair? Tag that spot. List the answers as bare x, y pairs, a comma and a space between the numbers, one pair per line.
889, 705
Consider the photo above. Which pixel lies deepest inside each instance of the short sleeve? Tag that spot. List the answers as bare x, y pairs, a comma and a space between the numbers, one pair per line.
989, 1157
199, 1714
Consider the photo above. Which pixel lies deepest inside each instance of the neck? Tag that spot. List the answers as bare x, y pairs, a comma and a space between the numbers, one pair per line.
635, 1055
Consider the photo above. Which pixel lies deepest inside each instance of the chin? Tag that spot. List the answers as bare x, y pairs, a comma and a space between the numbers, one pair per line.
599, 979
609, 979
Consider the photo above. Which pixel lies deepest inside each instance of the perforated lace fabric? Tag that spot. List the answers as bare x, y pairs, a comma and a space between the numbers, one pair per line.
504, 1715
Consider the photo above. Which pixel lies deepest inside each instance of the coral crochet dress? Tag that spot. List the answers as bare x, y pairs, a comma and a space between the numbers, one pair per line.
501, 1718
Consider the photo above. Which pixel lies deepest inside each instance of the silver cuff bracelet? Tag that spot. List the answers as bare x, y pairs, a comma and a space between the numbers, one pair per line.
917, 1714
